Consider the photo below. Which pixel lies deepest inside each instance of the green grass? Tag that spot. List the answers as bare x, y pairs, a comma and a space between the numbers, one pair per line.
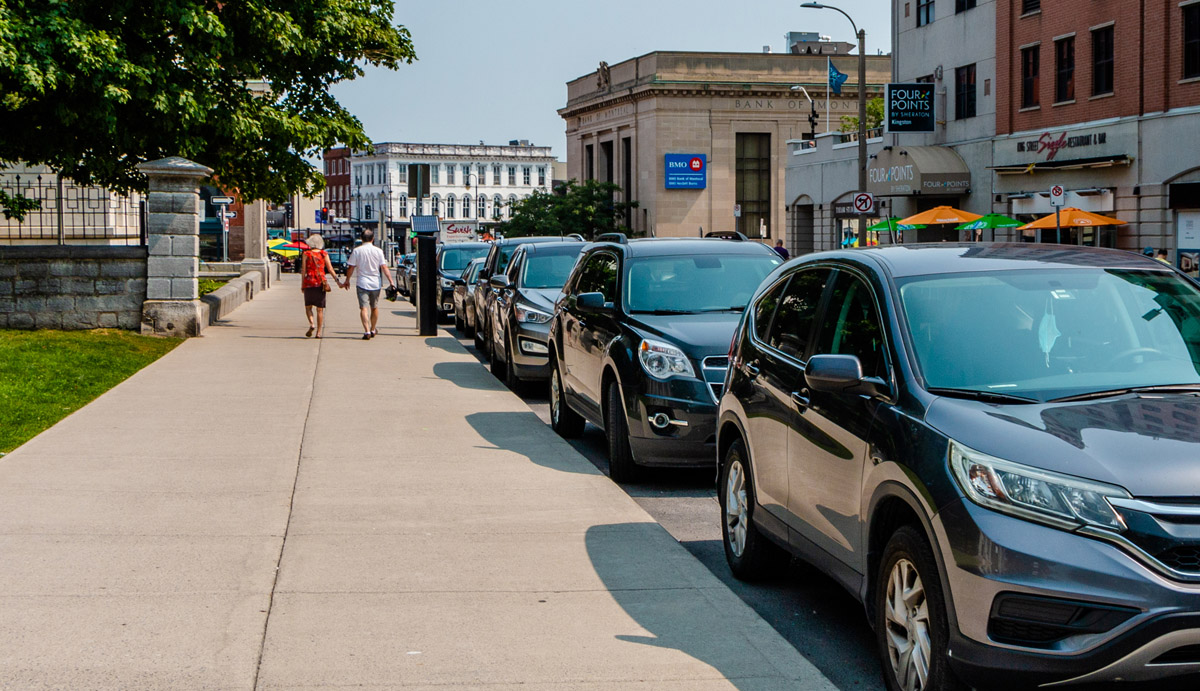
208, 285
47, 375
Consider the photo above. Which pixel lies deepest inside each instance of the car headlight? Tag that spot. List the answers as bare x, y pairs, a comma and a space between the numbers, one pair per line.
1061, 501
530, 315
447, 284
663, 360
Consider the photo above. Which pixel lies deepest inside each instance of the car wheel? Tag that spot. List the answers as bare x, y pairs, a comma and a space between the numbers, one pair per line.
477, 337
458, 322
468, 329
910, 617
494, 360
566, 422
621, 467
511, 380
412, 298
751, 555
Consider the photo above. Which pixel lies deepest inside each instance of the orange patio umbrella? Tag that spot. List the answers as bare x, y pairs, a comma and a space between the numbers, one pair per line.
1070, 217
940, 214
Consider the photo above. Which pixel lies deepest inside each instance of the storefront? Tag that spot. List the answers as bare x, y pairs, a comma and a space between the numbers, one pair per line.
1184, 200
910, 179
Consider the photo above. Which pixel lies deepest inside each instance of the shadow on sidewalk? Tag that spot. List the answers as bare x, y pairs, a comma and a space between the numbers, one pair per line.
523, 433
676, 617
446, 343
468, 375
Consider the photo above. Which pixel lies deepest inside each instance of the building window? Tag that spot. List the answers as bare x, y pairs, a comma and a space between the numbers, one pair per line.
541, 176
924, 12
402, 173
1102, 61
403, 210
450, 173
1191, 41
1030, 80
1028, 6
420, 206
466, 206
1064, 70
963, 5
496, 175
964, 92
370, 174
435, 173
589, 162
482, 208
527, 175
497, 205
512, 176
450, 206
435, 204
753, 183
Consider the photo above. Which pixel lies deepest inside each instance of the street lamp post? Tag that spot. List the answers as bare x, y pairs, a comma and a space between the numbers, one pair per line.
862, 108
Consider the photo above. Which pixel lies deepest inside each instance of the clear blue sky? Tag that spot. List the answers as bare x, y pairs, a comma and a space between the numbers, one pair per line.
497, 70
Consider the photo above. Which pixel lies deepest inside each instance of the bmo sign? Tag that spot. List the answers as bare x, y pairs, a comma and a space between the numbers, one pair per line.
686, 171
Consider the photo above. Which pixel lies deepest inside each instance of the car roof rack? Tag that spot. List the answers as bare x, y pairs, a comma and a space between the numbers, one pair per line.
726, 235
618, 238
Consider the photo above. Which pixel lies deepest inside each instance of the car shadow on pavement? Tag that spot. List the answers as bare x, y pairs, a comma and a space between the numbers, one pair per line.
446, 343
526, 434
468, 375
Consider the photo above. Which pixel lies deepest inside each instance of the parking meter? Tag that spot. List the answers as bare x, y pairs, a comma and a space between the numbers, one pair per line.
427, 283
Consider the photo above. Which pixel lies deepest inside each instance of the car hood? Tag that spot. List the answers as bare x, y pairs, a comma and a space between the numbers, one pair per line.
698, 335
1150, 445
541, 298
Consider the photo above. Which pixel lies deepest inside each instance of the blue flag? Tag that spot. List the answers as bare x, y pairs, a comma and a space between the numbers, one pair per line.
836, 79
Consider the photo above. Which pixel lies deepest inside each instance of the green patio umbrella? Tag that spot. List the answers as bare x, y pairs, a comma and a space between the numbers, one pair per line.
990, 222
892, 224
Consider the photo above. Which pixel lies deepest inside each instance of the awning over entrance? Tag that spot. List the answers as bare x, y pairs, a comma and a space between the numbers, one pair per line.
913, 170
1077, 164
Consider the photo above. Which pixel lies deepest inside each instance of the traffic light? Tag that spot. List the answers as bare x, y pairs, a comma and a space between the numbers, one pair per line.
324, 214
812, 120
290, 219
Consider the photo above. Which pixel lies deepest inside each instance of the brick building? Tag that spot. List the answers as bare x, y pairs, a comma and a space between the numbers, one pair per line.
337, 182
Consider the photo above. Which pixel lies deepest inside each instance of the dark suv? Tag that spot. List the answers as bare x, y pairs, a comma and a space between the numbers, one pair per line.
996, 448
639, 344
452, 258
496, 263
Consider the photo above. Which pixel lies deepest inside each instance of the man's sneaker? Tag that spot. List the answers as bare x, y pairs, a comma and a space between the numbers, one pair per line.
366, 337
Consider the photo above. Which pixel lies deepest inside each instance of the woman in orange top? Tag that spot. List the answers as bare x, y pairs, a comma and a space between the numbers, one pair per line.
314, 264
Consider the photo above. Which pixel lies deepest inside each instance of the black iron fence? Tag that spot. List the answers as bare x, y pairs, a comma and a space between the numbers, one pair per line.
71, 214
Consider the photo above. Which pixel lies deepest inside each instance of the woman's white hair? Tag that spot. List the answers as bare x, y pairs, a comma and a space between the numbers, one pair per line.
315, 241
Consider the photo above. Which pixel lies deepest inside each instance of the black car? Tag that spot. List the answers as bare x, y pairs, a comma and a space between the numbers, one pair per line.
451, 260
497, 263
464, 298
525, 299
639, 344
995, 448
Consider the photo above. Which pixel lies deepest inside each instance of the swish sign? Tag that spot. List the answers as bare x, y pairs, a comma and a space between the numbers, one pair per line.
909, 108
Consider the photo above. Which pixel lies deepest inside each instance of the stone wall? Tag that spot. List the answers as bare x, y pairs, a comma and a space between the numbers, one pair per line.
72, 287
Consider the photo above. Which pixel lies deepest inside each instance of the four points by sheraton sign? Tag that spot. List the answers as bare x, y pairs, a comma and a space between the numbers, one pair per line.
908, 108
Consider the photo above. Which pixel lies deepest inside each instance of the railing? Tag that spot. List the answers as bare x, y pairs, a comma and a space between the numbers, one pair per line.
848, 137
71, 214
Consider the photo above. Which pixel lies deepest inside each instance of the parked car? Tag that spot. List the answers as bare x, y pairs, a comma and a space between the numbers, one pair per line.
405, 268
338, 258
451, 260
993, 447
497, 263
639, 345
525, 299
464, 296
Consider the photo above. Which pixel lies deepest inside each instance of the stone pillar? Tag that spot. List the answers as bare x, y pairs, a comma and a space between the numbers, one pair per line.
173, 238
254, 224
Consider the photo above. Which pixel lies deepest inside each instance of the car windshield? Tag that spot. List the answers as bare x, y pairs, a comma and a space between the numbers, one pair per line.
471, 271
694, 283
548, 267
455, 259
1048, 334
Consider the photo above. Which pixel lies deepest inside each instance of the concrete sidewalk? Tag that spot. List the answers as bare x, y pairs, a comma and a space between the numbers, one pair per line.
262, 510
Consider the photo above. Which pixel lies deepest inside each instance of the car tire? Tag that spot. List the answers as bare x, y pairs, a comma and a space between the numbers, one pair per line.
477, 337
911, 628
567, 422
468, 330
494, 361
458, 322
621, 466
751, 554
511, 380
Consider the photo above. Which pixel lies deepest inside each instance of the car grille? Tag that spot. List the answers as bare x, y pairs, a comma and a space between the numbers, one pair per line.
713, 370
1181, 559
1165, 533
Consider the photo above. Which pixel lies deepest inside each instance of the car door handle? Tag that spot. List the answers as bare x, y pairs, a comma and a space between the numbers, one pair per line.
800, 398
752, 369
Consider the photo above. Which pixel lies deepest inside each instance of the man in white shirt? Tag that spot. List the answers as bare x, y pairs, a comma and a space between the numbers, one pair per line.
368, 262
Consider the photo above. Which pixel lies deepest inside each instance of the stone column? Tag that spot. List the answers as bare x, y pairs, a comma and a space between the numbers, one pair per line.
173, 239
254, 223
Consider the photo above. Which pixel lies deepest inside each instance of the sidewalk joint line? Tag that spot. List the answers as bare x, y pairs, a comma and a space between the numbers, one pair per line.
262, 646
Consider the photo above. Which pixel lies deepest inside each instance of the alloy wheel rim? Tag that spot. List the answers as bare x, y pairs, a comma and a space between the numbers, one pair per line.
736, 512
554, 394
906, 622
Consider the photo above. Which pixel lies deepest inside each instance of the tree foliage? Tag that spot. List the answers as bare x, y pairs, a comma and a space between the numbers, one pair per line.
586, 209
92, 88
874, 117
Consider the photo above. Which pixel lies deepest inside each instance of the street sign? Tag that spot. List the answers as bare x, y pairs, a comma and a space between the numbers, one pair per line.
317, 216
1058, 196
221, 200
864, 203
230, 214
685, 171
737, 210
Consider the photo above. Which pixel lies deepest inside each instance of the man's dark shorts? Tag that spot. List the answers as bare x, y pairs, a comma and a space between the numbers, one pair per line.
368, 298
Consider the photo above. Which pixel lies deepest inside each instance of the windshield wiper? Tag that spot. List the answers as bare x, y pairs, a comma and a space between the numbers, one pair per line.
662, 312
735, 308
1109, 393
985, 396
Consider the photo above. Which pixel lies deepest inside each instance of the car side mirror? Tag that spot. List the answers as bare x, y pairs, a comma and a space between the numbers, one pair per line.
499, 281
483, 275
593, 303
460, 282
841, 374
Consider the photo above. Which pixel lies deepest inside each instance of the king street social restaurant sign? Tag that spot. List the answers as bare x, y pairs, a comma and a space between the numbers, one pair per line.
686, 171
909, 108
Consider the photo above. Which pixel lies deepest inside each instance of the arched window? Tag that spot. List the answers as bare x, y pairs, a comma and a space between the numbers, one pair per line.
450, 204
497, 204
435, 205
512, 203
466, 206
482, 207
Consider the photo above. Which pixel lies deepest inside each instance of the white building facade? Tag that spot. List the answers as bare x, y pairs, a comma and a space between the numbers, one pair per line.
467, 183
